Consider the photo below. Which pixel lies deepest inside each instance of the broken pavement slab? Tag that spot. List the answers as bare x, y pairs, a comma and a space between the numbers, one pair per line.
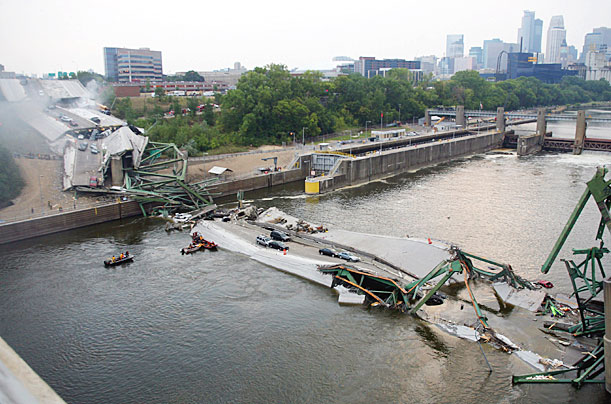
527, 299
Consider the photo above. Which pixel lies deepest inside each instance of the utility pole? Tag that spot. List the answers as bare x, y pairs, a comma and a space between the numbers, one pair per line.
381, 118
303, 135
366, 122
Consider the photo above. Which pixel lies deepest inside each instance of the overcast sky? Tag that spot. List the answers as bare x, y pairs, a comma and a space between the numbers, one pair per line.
38, 36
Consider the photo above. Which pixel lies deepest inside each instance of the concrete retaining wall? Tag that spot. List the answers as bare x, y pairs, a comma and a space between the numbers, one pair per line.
67, 221
368, 168
264, 181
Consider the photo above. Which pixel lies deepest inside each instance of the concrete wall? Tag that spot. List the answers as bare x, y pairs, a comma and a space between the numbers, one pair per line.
66, 221
530, 144
264, 181
380, 165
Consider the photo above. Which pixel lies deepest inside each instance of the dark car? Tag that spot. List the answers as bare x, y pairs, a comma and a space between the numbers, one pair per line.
278, 245
279, 235
95, 119
328, 251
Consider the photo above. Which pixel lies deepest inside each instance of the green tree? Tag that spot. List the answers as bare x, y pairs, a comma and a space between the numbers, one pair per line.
192, 75
11, 182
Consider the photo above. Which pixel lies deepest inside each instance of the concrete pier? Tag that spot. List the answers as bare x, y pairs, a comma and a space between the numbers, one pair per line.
580, 132
607, 337
427, 118
541, 122
460, 116
500, 119
530, 144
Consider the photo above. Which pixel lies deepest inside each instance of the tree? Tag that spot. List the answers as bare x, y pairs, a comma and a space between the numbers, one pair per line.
159, 92
86, 77
192, 75
11, 182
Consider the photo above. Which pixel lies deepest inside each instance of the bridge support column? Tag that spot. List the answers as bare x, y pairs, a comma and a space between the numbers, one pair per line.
460, 116
427, 118
580, 132
500, 119
541, 122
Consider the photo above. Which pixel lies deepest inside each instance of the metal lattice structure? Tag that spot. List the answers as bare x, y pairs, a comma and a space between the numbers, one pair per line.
160, 179
586, 278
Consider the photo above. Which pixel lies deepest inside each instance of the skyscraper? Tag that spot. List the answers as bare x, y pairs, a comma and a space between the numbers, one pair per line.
529, 35
599, 40
556, 36
455, 46
477, 53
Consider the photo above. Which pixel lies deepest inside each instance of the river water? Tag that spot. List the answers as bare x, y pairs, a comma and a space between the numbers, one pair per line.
218, 327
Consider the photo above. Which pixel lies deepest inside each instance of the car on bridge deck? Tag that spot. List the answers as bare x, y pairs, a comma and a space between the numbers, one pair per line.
278, 245
345, 255
279, 235
328, 252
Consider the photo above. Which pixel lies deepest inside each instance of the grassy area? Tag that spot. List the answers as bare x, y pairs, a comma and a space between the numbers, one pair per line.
230, 148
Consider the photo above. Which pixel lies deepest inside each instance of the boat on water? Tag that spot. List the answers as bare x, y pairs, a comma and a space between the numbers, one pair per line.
209, 245
199, 239
110, 262
191, 249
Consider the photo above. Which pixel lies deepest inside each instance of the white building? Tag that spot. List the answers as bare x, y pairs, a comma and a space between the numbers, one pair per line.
556, 36
597, 66
464, 63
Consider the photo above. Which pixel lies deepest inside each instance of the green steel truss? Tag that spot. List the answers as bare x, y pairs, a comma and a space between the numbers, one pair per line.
390, 293
160, 180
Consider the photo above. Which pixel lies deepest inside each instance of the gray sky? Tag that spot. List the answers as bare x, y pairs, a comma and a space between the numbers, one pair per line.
39, 36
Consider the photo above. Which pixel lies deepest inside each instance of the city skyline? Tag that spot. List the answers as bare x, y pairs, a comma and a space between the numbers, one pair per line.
214, 36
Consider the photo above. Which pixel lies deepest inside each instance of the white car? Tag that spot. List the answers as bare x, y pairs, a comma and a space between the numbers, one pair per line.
182, 217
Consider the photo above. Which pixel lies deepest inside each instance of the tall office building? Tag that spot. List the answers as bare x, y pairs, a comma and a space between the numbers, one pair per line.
556, 36
599, 40
530, 33
132, 65
477, 53
455, 46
